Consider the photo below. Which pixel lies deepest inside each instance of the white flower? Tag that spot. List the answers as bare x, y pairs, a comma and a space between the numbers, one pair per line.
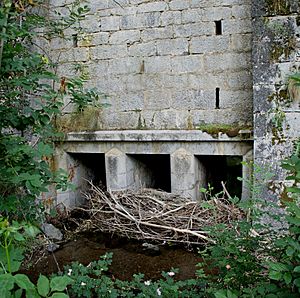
158, 292
83, 283
70, 272
171, 273
147, 283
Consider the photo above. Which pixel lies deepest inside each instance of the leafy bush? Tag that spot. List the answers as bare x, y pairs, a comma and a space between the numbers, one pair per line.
31, 98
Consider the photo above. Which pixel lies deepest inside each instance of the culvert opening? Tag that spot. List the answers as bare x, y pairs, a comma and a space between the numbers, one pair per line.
151, 170
222, 168
88, 166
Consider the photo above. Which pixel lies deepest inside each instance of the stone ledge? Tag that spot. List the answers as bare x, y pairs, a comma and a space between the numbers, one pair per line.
155, 135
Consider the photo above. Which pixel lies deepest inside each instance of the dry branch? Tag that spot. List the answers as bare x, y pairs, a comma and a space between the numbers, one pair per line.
156, 215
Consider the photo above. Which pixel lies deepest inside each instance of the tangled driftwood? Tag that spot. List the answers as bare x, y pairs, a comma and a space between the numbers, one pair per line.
157, 215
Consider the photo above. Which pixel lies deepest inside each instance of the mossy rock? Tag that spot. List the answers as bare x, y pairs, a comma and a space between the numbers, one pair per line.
230, 130
87, 120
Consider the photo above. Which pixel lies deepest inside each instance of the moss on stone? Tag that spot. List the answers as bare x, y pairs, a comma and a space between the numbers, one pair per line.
278, 7
87, 120
232, 130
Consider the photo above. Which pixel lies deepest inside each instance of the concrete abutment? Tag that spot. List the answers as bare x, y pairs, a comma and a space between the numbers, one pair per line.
177, 162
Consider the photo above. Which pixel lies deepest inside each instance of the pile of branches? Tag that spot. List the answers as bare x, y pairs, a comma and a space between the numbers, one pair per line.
157, 216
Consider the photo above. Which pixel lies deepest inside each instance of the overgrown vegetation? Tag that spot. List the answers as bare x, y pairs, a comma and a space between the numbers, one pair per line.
247, 259
32, 96
232, 130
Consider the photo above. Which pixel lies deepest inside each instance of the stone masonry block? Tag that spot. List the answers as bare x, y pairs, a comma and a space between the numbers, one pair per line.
193, 99
209, 44
99, 38
241, 42
74, 55
192, 16
140, 20
132, 101
151, 19
121, 37
131, 21
236, 26
152, 6
91, 23
170, 18
124, 65
108, 52
156, 33
197, 29
111, 23
97, 70
187, 64
179, 4
146, 49
241, 11
157, 99
227, 61
178, 46
159, 64
133, 83
60, 44
209, 81
216, 13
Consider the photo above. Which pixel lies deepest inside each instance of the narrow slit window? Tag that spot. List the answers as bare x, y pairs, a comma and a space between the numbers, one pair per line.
75, 40
217, 98
219, 29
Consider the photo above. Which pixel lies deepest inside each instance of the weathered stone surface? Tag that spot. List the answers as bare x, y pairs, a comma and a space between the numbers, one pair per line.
165, 54
51, 231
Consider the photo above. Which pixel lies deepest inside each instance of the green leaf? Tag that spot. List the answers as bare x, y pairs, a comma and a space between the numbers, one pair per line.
32, 293
18, 237
5, 293
297, 283
18, 293
278, 267
24, 282
290, 251
221, 294
287, 276
275, 275
7, 281
43, 286
59, 283
32, 231
297, 269
59, 295
230, 294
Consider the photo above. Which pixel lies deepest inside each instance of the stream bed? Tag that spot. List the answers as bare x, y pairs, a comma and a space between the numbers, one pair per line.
129, 257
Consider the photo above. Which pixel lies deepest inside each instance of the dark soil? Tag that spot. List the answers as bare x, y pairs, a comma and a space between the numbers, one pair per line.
129, 257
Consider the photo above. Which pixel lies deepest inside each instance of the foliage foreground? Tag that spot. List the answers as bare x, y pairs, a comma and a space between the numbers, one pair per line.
248, 258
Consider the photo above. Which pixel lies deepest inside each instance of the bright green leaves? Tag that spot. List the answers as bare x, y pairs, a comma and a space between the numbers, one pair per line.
43, 286
12, 236
59, 283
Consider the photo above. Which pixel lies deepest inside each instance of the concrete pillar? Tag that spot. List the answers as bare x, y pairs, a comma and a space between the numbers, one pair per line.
187, 174
67, 198
138, 174
116, 170
247, 173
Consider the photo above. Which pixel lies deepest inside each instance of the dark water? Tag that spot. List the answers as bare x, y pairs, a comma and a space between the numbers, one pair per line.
129, 257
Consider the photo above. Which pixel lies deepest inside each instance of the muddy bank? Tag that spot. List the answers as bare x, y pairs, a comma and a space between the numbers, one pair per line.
129, 257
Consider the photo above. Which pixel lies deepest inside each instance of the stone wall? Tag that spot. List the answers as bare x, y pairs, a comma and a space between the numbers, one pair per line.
172, 64
276, 55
